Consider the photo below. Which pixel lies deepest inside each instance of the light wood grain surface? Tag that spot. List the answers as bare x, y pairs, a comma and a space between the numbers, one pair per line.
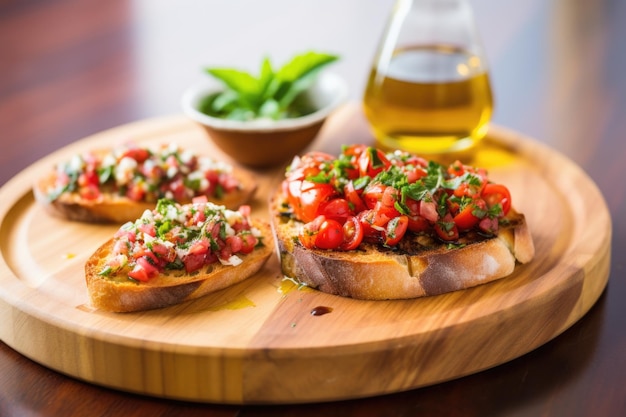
71, 68
257, 342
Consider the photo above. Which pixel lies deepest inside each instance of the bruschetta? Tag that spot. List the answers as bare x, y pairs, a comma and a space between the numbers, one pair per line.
118, 184
374, 225
176, 253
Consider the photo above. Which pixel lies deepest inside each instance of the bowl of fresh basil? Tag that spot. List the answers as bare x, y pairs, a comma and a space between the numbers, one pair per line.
263, 121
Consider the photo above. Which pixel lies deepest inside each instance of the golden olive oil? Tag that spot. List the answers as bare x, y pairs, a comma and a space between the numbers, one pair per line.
431, 99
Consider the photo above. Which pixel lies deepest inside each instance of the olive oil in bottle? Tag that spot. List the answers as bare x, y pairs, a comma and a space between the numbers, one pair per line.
428, 90
429, 99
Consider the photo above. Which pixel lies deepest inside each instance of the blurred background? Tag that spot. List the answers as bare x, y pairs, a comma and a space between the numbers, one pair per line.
71, 68
156, 48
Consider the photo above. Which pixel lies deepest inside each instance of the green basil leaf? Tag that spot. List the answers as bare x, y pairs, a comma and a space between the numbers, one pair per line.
105, 173
239, 81
293, 89
270, 109
224, 101
302, 64
240, 113
266, 80
272, 94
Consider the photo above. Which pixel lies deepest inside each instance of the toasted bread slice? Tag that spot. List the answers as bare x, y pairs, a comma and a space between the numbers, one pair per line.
111, 207
420, 266
172, 287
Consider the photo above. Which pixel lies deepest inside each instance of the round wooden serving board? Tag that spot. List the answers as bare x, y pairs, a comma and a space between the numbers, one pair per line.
257, 342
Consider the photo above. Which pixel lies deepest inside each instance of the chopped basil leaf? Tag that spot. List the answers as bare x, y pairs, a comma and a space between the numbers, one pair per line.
164, 227
106, 271
402, 208
176, 264
105, 173
219, 191
361, 183
164, 205
495, 211
321, 178
478, 212
451, 246
192, 184
213, 244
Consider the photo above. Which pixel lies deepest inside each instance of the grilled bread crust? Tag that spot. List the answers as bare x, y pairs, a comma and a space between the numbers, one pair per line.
419, 266
173, 288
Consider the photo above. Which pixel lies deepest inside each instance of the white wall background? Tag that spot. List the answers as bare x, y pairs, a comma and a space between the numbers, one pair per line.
239, 33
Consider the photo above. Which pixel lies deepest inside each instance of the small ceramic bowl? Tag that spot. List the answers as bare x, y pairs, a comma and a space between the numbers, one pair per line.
264, 143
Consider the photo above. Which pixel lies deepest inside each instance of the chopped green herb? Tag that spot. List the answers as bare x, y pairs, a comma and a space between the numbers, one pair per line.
451, 246
105, 173
106, 271
177, 264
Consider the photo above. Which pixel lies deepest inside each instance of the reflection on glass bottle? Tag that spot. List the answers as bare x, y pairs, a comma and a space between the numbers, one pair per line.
429, 90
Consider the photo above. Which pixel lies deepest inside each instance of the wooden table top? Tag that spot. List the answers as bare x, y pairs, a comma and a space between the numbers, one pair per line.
71, 68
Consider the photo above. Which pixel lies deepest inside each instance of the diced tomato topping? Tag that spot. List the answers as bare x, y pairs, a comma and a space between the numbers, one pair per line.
143, 174
372, 161
384, 213
171, 238
235, 243
415, 174
136, 153
330, 235
390, 196
148, 229
308, 233
489, 225
228, 182
418, 224
148, 264
428, 210
354, 150
200, 199
144, 269
395, 230
311, 197
494, 194
225, 252
380, 197
178, 189
353, 198
89, 178
199, 247
366, 219
198, 217
446, 229
167, 253
139, 273
249, 242
90, 192
466, 219
193, 262
128, 235
456, 169
121, 247
144, 252
245, 210
468, 190
352, 234
337, 209
373, 193
136, 192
